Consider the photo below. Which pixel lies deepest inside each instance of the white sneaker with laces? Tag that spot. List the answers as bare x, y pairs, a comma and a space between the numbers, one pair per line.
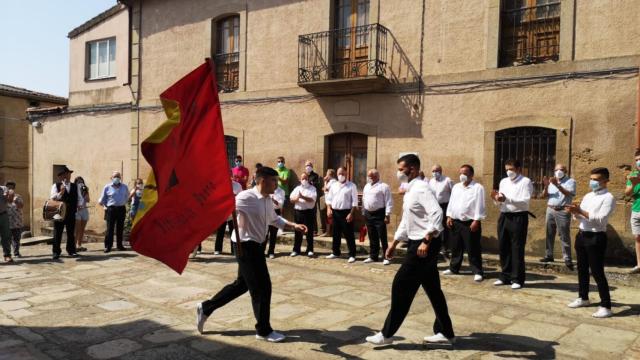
310, 254
499, 283
602, 312
578, 303
439, 338
216, 253
331, 256
379, 339
386, 262
351, 260
274, 336
201, 318
516, 286
368, 260
478, 278
447, 272
271, 256
293, 254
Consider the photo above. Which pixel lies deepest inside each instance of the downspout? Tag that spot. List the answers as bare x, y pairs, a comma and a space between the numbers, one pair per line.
638, 114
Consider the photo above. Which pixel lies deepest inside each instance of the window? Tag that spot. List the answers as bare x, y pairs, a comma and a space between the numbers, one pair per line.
232, 149
351, 23
101, 59
227, 56
534, 146
349, 150
530, 31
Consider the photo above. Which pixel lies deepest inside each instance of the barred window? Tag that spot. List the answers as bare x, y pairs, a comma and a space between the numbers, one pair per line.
227, 55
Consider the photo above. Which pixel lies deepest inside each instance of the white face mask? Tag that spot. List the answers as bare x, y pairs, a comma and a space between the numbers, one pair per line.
463, 178
402, 177
369, 180
511, 174
304, 182
436, 175
342, 178
308, 169
559, 174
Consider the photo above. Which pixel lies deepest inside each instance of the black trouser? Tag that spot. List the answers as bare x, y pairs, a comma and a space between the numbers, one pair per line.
444, 235
253, 276
220, 236
342, 227
315, 218
512, 237
305, 217
272, 234
462, 238
414, 272
590, 250
115, 221
69, 223
377, 230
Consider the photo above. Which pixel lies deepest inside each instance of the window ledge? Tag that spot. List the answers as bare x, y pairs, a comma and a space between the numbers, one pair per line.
107, 78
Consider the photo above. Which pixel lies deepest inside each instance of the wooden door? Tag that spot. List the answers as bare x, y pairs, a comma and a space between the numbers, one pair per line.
351, 51
349, 150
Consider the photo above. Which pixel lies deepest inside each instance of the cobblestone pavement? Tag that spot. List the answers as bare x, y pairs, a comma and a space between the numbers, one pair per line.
120, 305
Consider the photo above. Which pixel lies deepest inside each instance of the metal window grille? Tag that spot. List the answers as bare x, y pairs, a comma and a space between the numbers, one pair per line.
529, 34
232, 148
535, 147
227, 71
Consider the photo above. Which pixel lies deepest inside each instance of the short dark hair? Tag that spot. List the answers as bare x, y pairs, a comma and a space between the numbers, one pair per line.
280, 158
601, 171
410, 160
265, 171
513, 162
10, 183
637, 153
238, 157
258, 165
468, 167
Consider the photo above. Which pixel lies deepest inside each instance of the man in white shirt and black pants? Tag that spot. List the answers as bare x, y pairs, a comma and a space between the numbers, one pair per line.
304, 198
464, 216
441, 186
342, 201
513, 198
420, 226
255, 214
377, 203
591, 241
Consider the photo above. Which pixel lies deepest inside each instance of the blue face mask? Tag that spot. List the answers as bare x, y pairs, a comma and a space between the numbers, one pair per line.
638, 164
116, 181
280, 165
594, 185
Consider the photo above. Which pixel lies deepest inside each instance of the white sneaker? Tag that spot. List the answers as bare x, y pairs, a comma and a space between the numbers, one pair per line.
331, 256
201, 318
274, 336
293, 254
368, 260
602, 312
578, 303
216, 253
447, 272
635, 270
351, 260
310, 254
478, 278
193, 253
439, 339
516, 286
379, 339
499, 283
271, 256
386, 262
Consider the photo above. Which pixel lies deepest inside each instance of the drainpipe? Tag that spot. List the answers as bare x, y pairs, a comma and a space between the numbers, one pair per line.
638, 114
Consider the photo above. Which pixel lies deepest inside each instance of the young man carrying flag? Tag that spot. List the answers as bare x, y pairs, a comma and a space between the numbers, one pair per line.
255, 214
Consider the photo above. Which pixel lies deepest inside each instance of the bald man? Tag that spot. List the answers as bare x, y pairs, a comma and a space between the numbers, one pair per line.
113, 200
560, 190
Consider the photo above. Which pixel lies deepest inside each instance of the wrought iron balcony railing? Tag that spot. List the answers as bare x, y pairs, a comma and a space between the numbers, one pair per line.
530, 35
227, 71
343, 53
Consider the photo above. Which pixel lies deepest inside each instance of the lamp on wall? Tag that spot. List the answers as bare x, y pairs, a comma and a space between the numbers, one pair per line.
36, 124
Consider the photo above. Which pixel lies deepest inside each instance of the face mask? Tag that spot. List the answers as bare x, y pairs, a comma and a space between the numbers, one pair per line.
280, 165
139, 193
116, 181
308, 169
436, 175
304, 182
594, 185
511, 174
369, 180
80, 183
402, 177
559, 174
463, 178
342, 178
238, 163
638, 164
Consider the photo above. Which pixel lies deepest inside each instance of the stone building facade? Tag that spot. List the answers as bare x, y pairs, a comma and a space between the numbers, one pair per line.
358, 82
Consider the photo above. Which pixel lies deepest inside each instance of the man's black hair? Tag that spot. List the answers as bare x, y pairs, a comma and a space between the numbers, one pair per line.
10, 183
513, 162
410, 160
468, 167
265, 171
602, 171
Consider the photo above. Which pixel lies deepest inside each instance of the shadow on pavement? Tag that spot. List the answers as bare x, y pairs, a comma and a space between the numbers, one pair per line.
571, 287
631, 309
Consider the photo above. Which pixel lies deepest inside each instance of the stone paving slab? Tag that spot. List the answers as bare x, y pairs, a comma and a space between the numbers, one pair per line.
124, 306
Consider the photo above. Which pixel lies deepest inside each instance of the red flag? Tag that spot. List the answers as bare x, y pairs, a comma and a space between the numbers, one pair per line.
188, 194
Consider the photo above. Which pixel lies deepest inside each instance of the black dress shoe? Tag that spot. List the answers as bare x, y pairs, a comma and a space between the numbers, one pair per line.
56, 256
122, 248
546, 259
107, 250
569, 264
73, 254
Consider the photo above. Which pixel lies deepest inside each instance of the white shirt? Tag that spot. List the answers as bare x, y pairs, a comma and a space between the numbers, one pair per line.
517, 193
421, 213
307, 191
54, 191
467, 202
255, 214
342, 196
278, 196
377, 196
600, 205
442, 188
237, 188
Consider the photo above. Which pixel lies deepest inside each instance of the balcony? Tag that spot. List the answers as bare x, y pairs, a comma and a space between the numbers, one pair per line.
344, 61
227, 71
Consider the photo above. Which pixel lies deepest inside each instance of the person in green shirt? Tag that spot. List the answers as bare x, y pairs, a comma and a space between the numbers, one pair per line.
283, 177
633, 190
